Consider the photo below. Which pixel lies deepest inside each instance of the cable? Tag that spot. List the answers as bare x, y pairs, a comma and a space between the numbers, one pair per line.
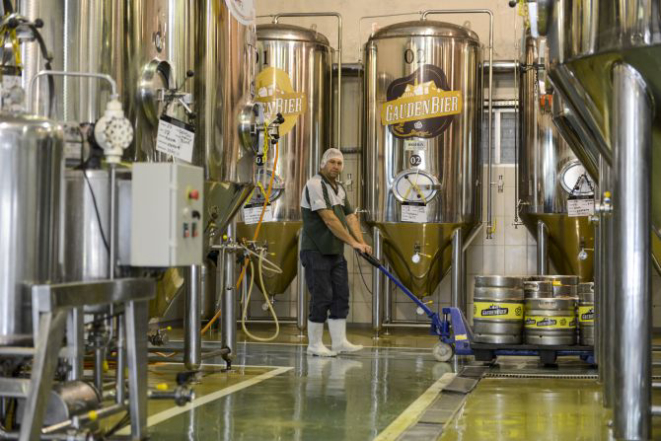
96, 210
360, 270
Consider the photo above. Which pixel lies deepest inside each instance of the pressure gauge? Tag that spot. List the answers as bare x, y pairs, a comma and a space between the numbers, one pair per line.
576, 181
262, 180
415, 186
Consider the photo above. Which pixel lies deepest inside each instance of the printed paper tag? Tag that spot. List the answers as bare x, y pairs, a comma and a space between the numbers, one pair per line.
580, 207
414, 213
175, 138
413, 145
252, 213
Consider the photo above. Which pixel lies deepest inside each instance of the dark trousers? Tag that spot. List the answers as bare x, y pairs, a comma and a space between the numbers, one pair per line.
328, 282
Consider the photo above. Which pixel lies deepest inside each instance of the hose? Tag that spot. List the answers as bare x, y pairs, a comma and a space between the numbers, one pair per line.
262, 287
267, 197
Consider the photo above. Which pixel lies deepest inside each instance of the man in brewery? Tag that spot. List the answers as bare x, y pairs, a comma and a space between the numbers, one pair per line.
329, 222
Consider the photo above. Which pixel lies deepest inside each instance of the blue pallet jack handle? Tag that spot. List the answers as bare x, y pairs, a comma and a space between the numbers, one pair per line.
459, 334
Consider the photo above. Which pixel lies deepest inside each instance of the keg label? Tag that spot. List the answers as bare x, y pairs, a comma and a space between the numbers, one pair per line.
420, 105
274, 90
498, 310
586, 314
564, 322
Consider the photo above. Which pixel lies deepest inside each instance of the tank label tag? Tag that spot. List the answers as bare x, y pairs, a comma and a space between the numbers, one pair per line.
275, 91
421, 105
586, 314
498, 310
580, 207
253, 213
550, 322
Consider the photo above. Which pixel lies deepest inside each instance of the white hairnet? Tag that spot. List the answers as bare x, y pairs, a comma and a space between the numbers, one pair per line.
331, 154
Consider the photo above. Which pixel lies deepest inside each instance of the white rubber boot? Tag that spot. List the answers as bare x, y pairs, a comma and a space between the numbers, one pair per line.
338, 332
315, 340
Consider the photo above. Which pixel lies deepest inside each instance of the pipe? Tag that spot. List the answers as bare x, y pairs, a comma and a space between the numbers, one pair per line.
599, 299
631, 138
365, 17
387, 299
377, 293
423, 16
406, 325
542, 249
59, 73
193, 318
458, 292
228, 320
86, 418
112, 233
502, 66
120, 387
607, 276
338, 16
301, 305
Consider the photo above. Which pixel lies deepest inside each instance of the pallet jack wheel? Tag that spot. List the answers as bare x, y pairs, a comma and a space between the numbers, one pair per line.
443, 351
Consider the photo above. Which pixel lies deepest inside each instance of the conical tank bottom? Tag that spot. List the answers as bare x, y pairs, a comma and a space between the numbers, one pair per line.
567, 237
433, 243
282, 241
222, 200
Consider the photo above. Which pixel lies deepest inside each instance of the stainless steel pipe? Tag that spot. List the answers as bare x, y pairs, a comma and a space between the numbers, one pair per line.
377, 278
458, 291
228, 298
301, 306
632, 144
387, 299
542, 249
193, 318
608, 292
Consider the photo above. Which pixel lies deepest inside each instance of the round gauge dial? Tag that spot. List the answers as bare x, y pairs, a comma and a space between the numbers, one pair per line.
262, 180
576, 181
415, 186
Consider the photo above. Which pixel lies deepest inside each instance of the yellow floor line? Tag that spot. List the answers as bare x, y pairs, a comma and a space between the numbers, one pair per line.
174, 411
415, 410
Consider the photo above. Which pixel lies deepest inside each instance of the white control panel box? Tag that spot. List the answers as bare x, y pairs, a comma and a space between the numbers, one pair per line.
166, 216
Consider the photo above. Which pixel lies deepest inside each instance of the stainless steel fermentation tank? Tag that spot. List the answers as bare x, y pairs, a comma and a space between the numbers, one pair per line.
550, 175
30, 173
226, 56
421, 145
294, 79
604, 61
81, 36
161, 51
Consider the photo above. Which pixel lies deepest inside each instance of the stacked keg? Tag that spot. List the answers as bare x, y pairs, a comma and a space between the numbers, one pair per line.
498, 310
550, 310
586, 314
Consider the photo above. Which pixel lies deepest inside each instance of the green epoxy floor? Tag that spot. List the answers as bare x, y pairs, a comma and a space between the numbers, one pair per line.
356, 397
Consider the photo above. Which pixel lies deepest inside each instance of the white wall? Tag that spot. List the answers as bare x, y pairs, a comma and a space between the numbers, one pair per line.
353, 10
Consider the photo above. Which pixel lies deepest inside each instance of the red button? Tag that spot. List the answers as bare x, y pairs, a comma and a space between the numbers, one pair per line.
194, 194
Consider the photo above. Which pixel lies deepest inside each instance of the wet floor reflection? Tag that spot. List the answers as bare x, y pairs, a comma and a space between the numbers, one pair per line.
525, 409
345, 398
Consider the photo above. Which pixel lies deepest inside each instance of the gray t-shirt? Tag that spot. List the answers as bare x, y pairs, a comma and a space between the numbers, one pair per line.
319, 194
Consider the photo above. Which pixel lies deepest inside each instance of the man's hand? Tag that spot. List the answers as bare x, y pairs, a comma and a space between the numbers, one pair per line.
362, 248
